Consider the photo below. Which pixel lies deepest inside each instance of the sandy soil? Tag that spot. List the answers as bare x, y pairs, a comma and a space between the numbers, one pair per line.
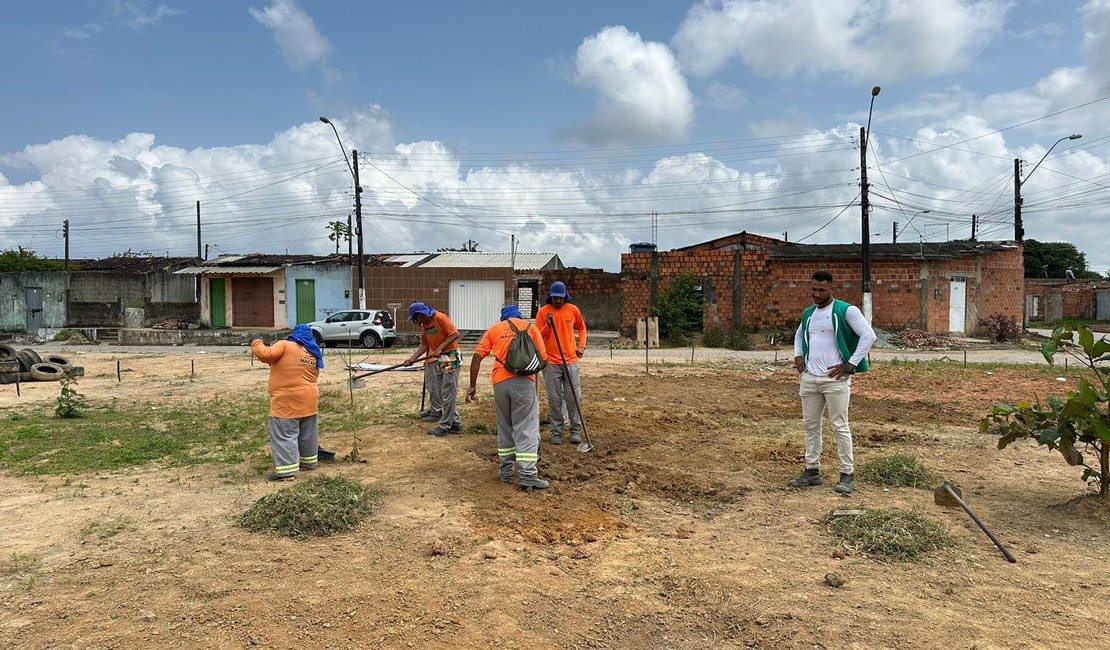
676, 532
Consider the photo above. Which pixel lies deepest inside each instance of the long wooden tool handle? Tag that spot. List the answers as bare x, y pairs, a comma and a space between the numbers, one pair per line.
394, 367
991, 535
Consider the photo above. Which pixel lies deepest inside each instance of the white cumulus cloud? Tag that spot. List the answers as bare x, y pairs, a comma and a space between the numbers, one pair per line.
860, 39
642, 94
295, 33
138, 14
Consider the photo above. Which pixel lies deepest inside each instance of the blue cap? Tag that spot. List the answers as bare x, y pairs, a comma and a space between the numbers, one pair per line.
557, 290
420, 308
510, 311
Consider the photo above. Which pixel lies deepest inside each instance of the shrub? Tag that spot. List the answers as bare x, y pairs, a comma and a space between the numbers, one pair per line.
889, 534
898, 470
679, 307
70, 402
1002, 328
679, 338
738, 339
714, 337
1080, 421
317, 506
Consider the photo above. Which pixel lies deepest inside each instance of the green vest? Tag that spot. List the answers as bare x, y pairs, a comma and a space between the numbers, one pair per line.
846, 338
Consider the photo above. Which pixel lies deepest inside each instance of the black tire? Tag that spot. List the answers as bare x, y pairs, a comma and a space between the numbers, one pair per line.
319, 339
31, 354
331, 344
369, 339
26, 360
6, 351
58, 360
47, 372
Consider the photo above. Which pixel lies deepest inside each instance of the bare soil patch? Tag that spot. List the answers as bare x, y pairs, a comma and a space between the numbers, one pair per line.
677, 532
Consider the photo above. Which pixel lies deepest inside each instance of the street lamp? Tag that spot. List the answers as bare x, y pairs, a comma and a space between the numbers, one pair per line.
1019, 230
864, 134
909, 223
358, 212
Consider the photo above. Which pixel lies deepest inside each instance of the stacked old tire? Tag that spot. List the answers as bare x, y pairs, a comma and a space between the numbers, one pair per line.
27, 365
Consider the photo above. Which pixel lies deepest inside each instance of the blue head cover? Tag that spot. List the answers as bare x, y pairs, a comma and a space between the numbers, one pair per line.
557, 290
303, 334
510, 311
420, 308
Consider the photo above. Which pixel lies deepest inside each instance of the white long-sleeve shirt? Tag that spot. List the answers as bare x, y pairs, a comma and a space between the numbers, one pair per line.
823, 351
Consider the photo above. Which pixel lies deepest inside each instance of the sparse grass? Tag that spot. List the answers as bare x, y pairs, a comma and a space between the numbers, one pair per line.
898, 470
480, 428
889, 534
216, 431
109, 527
317, 506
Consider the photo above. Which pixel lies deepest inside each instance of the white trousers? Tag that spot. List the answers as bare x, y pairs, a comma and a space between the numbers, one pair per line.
819, 393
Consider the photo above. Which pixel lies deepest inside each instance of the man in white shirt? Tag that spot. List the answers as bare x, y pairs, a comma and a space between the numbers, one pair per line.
831, 344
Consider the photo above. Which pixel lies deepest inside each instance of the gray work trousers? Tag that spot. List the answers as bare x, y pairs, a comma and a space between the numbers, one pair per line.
293, 443
443, 395
819, 394
560, 381
518, 425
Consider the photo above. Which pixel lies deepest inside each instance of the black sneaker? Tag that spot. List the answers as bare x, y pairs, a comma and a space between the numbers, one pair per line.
281, 477
458, 428
429, 418
845, 486
534, 482
808, 478
325, 456
308, 468
437, 432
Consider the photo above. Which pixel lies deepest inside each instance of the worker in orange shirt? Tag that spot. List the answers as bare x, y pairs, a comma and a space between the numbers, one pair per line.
516, 405
439, 339
559, 319
295, 365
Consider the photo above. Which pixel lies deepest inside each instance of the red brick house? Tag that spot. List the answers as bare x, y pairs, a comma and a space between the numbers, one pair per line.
760, 282
1052, 299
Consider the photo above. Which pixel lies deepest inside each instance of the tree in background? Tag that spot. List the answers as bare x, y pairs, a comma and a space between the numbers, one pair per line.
22, 261
679, 307
1053, 259
338, 230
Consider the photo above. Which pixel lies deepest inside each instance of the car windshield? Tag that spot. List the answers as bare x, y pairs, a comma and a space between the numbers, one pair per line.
337, 317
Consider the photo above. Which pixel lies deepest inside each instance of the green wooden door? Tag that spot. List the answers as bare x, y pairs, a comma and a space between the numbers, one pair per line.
306, 301
217, 302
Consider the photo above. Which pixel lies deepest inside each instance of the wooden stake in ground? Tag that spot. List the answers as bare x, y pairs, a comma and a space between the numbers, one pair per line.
119, 377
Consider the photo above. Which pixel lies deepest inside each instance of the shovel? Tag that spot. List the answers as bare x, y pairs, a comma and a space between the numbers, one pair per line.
356, 380
950, 495
587, 446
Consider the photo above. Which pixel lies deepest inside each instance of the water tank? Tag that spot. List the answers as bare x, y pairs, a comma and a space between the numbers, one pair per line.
642, 247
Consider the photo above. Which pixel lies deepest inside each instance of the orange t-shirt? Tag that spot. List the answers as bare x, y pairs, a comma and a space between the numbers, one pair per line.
436, 331
567, 319
293, 374
496, 342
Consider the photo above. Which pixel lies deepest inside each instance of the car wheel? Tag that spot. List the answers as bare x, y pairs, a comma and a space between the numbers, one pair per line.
389, 342
331, 344
370, 340
318, 337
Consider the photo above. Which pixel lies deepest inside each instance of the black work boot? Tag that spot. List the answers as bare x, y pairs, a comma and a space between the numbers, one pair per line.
845, 485
808, 478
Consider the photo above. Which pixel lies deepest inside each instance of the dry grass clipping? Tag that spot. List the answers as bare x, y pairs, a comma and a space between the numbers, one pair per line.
889, 534
898, 470
318, 506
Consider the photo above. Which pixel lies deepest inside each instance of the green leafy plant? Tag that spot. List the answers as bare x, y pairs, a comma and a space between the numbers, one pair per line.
1078, 423
738, 339
21, 260
679, 307
714, 337
70, 402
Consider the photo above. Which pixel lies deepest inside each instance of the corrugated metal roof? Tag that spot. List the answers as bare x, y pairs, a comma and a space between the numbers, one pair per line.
524, 261
224, 270
925, 250
408, 259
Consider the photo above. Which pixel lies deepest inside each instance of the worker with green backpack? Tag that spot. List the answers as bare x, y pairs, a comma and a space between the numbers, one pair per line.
831, 345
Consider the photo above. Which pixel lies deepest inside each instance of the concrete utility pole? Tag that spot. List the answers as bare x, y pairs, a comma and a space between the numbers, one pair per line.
894, 234
974, 226
65, 233
358, 224
865, 204
1019, 232
198, 249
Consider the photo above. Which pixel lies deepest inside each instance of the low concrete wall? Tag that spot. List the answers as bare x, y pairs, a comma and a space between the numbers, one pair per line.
197, 337
157, 312
94, 314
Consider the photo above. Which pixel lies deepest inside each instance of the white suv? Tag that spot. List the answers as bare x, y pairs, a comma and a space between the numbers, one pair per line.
371, 328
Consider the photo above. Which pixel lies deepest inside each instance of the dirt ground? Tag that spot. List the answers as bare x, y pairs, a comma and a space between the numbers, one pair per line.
677, 532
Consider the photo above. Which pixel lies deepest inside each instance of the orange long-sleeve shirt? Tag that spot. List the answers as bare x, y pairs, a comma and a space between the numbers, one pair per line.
436, 332
567, 319
496, 342
293, 375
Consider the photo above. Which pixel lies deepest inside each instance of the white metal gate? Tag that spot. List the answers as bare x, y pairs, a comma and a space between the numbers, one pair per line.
957, 305
476, 304
1102, 305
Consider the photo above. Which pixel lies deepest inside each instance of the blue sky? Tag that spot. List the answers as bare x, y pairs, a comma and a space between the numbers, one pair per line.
563, 123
